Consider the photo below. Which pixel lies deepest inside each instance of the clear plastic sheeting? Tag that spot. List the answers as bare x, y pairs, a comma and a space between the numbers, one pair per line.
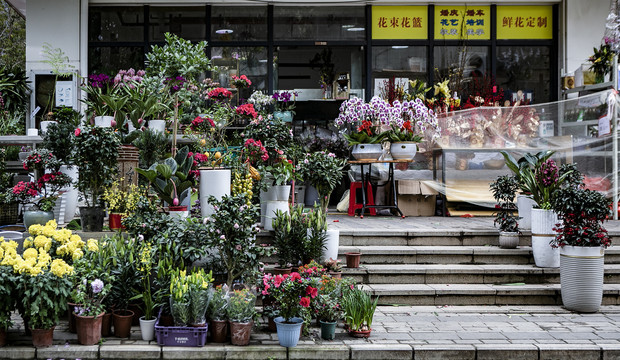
467, 155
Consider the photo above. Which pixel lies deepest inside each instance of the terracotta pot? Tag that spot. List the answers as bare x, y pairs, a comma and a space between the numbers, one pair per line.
114, 221
88, 329
137, 314
122, 323
281, 271
106, 325
336, 274
271, 325
71, 316
42, 337
219, 331
240, 333
2, 337
360, 333
353, 259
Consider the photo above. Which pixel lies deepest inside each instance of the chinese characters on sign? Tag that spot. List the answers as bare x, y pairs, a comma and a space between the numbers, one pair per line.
399, 22
524, 22
462, 22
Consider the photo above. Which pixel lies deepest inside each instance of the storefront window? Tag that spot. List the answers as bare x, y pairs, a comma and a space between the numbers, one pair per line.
319, 23
186, 22
248, 61
115, 24
524, 71
109, 60
465, 66
238, 23
404, 62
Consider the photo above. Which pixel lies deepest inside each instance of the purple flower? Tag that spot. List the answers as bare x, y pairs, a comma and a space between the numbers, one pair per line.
97, 286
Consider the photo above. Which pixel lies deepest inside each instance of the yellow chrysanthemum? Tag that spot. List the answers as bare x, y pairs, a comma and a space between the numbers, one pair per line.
35, 270
48, 231
30, 253
75, 237
62, 250
92, 245
1, 253
42, 241
35, 229
77, 254
60, 268
44, 259
62, 235
11, 244
28, 242
31, 261
52, 223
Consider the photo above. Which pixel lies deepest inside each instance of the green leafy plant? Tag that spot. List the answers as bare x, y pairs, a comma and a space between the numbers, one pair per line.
504, 191
152, 146
324, 171
241, 306
317, 234
178, 57
359, 309
14, 89
169, 179
601, 60
219, 303
59, 139
290, 231
282, 171
124, 269
327, 308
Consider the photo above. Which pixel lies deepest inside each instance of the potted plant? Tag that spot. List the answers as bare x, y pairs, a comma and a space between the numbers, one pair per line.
89, 313
409, 124
96, 151
120, 202
294, 296
262, 102
322, 242
240, 312
363, 127
602, 61
96, 86
8, 284
324, 171
126, 278
147, 322
24, 152
290, 234
582, 241
504, 189
218, 314
333, 267
359, 310
282, 171
328, 311
284, 105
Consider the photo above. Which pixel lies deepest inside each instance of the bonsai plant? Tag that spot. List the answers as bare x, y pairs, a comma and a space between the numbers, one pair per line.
359, 309
504, 189
240, 313
96, 150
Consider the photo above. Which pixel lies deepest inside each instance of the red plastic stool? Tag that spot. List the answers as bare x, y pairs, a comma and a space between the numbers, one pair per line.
353, 205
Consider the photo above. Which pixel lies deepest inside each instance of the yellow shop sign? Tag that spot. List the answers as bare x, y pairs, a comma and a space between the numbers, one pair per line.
524, 22
399, 22
462, 22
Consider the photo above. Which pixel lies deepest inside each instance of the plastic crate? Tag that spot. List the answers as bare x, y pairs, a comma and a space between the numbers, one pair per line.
180, 335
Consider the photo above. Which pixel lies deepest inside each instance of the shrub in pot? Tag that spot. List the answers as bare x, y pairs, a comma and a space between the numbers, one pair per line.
328, 311
240, 313
359, 310
8, 282
290, 233
218, 309
324, 171
89, 313
504, 189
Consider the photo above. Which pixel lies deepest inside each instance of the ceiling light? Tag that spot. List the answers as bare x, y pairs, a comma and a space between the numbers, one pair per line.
223, 31
348, 26
356, 29
400, 47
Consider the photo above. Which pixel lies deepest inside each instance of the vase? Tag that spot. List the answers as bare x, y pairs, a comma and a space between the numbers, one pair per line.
219, 330
581, 277
45, 124
524, 206
178, 212
288, 332
106, 325
103, 121
147, 329
240, 332
367, 151
32, 217
266, 195
336, 274
311, 197
270, 213
71, 193
281, 192
213, 182
24, 155
88, 329
332, 241
508, 240
284, 116
92, 218
328, 330
599, 78
157, 125
122, 322
403, 150
42, 337
543, 222
353, 259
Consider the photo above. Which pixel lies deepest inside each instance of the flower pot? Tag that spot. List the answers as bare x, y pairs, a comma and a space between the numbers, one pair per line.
311, 197
332, 241
214, 182
525, 205
288, 333
137, 313
240, 333
106, 325
45, 124
265, 196
367, 151
508, 240
360, 333
543, 222
270, 213
157, 125
328, 330
32, 217
24, 155
281, 270
281, 192
2, 337
88, 329
353, 259
581, 277
219, 330
403, 150
284, 116
122, 322
178, 212
336, 274
92, 218
42, 337
103, 121
114, 221
71, 193
71, 316
147, 329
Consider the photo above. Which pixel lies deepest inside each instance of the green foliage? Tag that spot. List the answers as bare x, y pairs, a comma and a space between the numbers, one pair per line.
359, 309
290, 230
142, 104
178, 57
123, 268
59, 139
8, 283
328, 308
66, 115
152, 145
219, 304
324, 171
57, 60
504, 190
14, 90
169, 178
315, 241
43, 298
241, 306
12, 37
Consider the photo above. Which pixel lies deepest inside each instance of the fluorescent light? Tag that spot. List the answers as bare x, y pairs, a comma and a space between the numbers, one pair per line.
223, 31
262, 60
400, 47
348, 26
356, 29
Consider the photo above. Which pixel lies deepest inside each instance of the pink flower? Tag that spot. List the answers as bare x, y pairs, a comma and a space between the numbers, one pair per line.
238, 247
312, 291
223, 237
175, 201
305, 302
77, 132
236, 226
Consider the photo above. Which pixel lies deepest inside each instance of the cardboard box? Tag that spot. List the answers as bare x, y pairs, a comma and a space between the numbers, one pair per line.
416, 198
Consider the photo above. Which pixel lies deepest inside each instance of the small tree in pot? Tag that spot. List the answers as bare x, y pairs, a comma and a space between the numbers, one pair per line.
504, 189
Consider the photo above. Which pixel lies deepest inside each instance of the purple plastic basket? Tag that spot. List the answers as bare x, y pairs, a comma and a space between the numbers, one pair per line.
180, 335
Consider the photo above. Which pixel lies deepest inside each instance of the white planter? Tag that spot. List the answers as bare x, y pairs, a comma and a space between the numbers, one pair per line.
543, 222
265, 195
281, 192
103, 121
508, 240
367, 151
147, 329
214, 182
71, 192
403, 150
581, 277
179, 214
525, 205
45, 124
332, 241
157, 125
270, 212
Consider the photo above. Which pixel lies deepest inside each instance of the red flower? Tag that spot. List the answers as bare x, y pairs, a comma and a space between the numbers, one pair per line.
313, 292
77, 132
305, 302
295, 276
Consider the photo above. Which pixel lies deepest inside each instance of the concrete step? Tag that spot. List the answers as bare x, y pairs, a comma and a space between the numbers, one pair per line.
463, 274
478, 294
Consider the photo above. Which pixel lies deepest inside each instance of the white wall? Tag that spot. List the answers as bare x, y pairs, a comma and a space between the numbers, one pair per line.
585, 26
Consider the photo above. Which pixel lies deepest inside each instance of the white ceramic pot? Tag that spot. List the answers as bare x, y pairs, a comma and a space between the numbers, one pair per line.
45, 124
403, 150
214, 182
71, 192
270, 212
581, 277
179, 212
157, 125
543, 222
508, 240
281, 192
147, 329
265, 196
367, 151
525, 205
103, 121
332, 241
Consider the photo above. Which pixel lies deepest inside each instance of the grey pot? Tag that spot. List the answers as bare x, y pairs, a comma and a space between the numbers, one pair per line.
581, 277
508, 240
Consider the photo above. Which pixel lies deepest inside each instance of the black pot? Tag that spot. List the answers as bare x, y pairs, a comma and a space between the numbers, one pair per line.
92, 218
